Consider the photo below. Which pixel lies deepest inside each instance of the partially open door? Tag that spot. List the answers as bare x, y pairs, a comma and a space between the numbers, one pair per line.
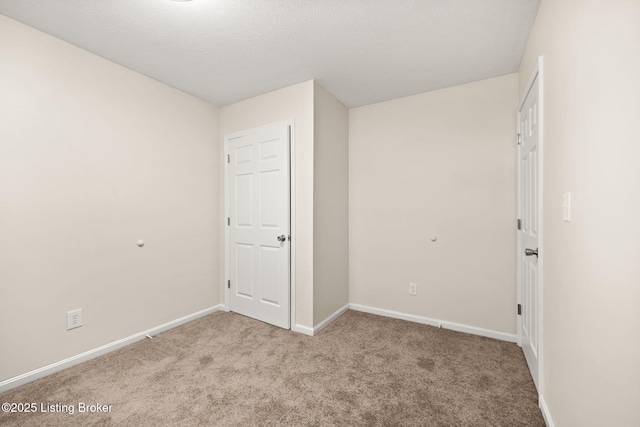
258, 240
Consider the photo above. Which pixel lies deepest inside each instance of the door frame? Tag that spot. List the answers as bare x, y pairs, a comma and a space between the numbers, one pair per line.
537, 72
292, 215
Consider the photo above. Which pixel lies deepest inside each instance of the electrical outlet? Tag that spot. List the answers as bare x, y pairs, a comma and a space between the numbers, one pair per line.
413, 289
74, 319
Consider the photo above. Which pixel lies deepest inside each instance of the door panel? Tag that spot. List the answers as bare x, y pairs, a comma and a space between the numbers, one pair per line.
258, 191
269, 200
244, 196
529, 233
270, 277
244, 269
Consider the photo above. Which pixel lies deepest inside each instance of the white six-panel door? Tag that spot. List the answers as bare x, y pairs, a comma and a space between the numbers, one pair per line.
529, 233
258, 221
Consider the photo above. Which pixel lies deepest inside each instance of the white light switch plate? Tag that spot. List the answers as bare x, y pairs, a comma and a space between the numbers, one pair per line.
566, 207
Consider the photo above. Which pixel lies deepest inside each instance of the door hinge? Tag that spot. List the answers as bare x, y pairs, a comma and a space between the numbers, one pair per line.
519, 139
519, 309
228, 220
228, 158
228, 284
519, 224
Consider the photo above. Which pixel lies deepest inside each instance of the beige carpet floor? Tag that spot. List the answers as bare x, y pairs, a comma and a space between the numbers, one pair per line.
227, 370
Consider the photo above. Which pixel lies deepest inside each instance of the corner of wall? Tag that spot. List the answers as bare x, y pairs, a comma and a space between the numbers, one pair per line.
330, 205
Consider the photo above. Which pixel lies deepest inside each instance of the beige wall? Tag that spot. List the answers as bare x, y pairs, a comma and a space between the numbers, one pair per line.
440, 164
294, 102
94, 157
591, 344
330, 205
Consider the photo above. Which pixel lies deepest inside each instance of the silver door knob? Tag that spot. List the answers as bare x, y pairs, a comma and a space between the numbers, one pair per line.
529, 252
282, 238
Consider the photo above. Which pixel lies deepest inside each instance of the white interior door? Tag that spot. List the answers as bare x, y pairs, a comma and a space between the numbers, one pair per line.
529, 227
258, 239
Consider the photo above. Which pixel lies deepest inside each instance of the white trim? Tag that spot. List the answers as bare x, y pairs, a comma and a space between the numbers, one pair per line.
537, 71
302, 329
545, 412
489, 333
320, 326
518, 234
292, 223
99, 351
224, 221
395, 315
292, 217
503, 336
540, 219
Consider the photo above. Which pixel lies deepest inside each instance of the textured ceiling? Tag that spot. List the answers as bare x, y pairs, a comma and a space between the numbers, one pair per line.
362, 51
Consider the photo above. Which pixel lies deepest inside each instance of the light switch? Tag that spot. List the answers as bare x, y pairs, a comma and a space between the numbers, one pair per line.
566, 207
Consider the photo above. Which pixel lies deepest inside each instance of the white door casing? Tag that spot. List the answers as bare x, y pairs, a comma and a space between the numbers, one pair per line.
530, 225
257, 186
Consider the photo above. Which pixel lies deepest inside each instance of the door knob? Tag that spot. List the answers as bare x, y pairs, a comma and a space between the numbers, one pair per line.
282, 238
529, 252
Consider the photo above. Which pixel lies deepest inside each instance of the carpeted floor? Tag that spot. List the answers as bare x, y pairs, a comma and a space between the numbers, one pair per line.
227, 370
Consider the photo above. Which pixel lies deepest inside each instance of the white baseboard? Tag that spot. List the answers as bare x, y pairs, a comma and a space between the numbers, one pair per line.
19, 380
302, 329
320, 326
312, 331
395, 315
545, 411
503, 336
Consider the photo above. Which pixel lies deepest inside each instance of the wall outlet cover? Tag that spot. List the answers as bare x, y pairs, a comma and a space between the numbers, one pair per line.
413, 289
74, 319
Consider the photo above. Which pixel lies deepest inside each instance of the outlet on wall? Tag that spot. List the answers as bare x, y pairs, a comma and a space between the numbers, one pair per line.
74, 319
413, 289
